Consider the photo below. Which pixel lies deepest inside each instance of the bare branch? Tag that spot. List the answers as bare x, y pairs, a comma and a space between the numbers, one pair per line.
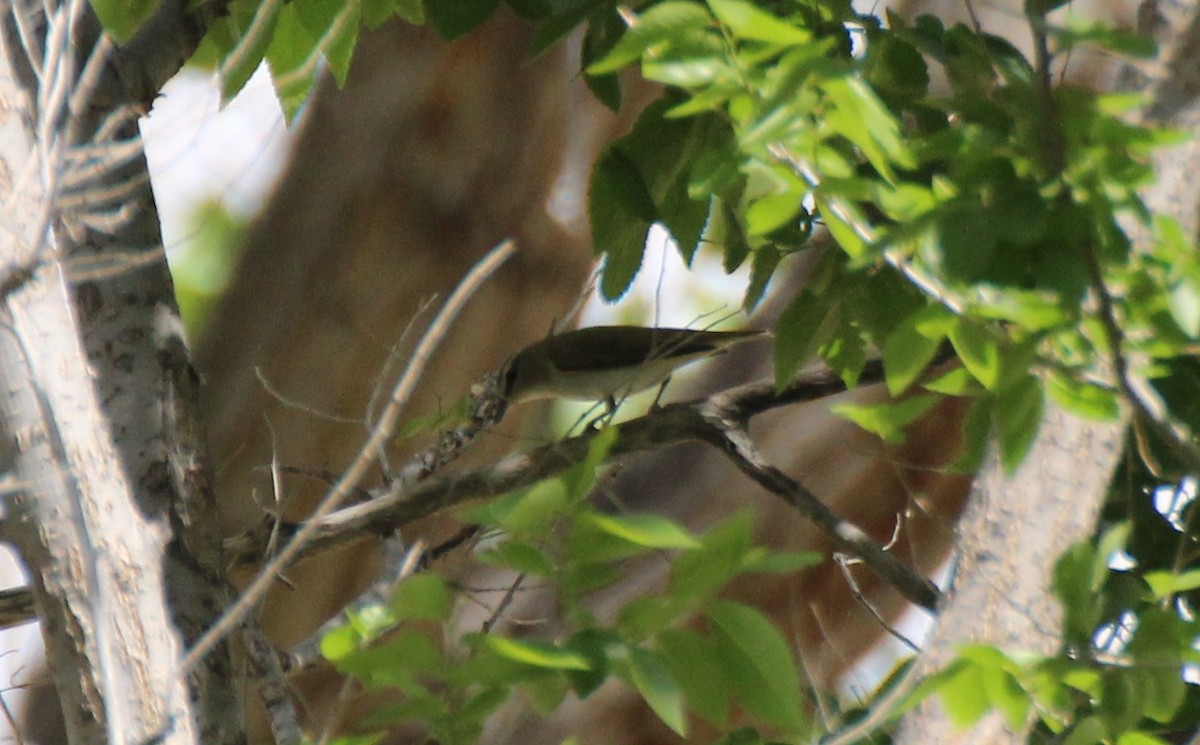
272, 685
715, 420
367, 453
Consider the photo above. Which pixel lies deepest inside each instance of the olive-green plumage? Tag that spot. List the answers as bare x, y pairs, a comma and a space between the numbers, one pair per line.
608, 362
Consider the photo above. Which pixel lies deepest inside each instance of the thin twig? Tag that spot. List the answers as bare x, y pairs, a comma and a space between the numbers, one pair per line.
13, 725
726, 432
509, 595
1180, 443
289, 403
843, 563
839, 208
366, 455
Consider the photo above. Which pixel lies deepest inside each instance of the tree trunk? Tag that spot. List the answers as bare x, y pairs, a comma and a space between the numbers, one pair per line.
1016, 527
111, 509
1010, 537
431, 154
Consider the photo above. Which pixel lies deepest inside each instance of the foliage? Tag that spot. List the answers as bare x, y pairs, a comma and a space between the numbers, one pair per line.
553, 537
992, 214
1126, 670
201, 270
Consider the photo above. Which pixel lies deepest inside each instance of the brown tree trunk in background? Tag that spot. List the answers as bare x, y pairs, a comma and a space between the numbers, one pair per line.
431, 155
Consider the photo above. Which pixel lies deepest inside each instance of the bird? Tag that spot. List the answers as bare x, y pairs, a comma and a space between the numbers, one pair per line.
608, 363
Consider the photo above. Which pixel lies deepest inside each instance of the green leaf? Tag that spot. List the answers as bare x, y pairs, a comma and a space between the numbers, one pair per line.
647, 531
889, 418
742, 736
693, 662
457, 17
622, 211
1007, 696
845, 224
1164, 584
759, 665
618, 178
660, 25
1017, 411
1160, 640
1075, 585
773, 211
519, 556
593, 644
334, 24
654, 681
1163, 691
845, 351
545, 693
1034, 311
956, 382
724, 229
978, 350
1082, 398
690, 72
910, 347
896, 69
527, 514
748, 22
579, 480
1080, 30
376, 12
797, 334
977, 427
1183, 301
1139, 738
395, 662
1118, 705
122, 18
648, 615
766, 260
966, 241
339, 643
237, 66
862, 118
566, 17
964, 696
1088, 731
536, 654
422, 597
760, 560
372, 621
644, 178
289, 51
683, 212
699, 574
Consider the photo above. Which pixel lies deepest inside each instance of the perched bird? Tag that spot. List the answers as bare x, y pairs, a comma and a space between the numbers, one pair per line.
607, 363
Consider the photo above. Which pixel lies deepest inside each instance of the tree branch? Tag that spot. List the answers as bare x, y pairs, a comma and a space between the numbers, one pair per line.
715, 420
383, 430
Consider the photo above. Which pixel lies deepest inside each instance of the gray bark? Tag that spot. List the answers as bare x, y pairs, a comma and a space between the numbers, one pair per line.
1013, 532
112, 508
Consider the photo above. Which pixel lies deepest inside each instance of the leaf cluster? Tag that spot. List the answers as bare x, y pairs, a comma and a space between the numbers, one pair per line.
687, 652
1122, 675
971, 216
